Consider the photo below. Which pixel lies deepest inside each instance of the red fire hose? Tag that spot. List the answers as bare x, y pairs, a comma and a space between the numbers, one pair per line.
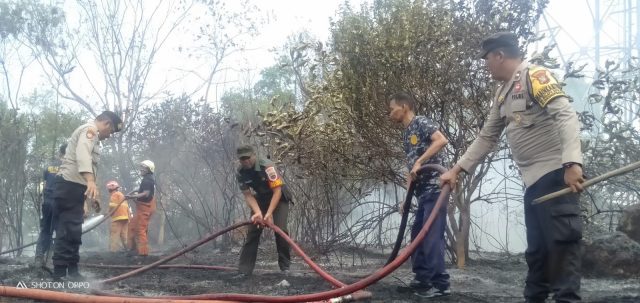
167, 266
347, 289
341, 293
295, 247
57, 296
176, 254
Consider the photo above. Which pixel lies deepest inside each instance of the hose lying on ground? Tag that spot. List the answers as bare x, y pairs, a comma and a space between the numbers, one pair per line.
344, 293
166, 266
56, 296
339, 292
176, 254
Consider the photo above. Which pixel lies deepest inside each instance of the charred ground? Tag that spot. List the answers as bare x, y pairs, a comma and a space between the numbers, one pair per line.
489, 277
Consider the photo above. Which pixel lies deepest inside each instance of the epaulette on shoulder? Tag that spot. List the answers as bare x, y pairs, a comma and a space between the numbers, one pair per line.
265, 162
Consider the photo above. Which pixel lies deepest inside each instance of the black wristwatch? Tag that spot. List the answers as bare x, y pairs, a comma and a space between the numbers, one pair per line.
569, 164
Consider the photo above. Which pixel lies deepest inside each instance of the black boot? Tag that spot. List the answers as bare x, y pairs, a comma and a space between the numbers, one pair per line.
39, 261
74, 274
59, 272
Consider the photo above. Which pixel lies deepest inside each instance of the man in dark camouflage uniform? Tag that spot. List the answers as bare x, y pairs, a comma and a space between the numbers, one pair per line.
423, 143
268, 197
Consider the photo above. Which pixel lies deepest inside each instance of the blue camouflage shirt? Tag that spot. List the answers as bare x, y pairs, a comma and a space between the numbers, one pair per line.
48, 176
417, 139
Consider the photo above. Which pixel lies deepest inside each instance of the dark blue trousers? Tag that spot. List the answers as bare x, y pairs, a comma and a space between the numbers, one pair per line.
69, 198
428, 259
47, 225
554, 233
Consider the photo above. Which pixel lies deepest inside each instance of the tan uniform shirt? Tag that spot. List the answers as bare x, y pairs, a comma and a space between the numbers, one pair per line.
541, 126
82, 154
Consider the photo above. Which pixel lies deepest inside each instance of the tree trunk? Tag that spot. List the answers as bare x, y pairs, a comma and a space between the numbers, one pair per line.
452, 231
462, 236
163, 221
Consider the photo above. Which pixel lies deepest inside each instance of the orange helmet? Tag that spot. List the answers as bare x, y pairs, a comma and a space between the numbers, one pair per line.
112, 185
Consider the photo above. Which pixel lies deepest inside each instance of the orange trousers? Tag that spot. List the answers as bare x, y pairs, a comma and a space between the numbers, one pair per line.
137, 237
118, 237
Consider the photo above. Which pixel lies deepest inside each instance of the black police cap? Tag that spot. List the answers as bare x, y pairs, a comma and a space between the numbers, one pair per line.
497, 40
115, 120
63, 148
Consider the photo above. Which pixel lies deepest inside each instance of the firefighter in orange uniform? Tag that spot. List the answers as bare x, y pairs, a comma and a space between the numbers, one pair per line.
137, 241
119, 218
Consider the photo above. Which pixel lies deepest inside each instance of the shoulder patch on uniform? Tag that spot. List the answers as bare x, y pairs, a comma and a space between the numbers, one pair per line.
91, 133
541, 76
544, 86
272, 173
413, 139
265, 162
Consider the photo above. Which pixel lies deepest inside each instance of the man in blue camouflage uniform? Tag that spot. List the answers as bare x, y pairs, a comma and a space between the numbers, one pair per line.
423, 143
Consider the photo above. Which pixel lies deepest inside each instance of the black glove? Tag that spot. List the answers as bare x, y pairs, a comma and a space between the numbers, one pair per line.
130, 195
96, 206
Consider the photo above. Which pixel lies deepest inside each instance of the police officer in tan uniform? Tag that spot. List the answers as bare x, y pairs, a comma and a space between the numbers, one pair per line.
542, 130
75, 184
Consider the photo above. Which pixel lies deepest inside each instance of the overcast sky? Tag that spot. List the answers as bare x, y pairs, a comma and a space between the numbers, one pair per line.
282, 18
574, 24
288, 17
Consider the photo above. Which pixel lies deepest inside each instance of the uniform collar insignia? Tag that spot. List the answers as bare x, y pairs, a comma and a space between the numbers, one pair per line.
517, 76
519, 70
